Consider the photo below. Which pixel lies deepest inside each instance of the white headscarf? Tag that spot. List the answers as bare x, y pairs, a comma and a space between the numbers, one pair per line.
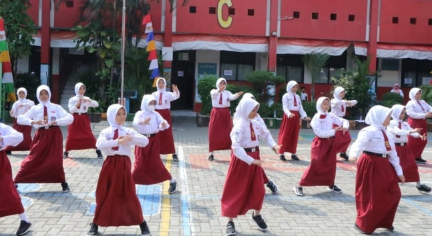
219, 81
290, 84
319, 103
145, 102
377, 115
38, 91
112, 113
413, 92
337, 92
25, 94
396, 111
157, 82
77, 88
248, 96
245, 107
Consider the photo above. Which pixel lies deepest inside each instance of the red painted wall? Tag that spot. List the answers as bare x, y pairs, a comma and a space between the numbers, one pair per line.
404, 31
33, 11
65, 17
323, 27
202, 22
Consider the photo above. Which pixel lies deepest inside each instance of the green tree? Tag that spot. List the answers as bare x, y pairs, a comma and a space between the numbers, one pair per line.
314, 62
19, 29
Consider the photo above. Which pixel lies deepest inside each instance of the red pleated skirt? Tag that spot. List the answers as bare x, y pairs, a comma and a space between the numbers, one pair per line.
166, 138
80, 135
44, 164
377, 193
322, 169
343, 140
148, 167
27, 141
10, 201
220, 127
415, 144
408, 164
117, 203
289, 133
243, 189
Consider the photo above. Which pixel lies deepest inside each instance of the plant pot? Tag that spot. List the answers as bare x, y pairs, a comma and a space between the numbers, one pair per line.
95, 117
202, 120
305, 124
360, 125
352, 124
272, 123
103, 116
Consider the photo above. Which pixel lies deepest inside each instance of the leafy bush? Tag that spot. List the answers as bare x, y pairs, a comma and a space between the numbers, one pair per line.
205, 85
235, 89
278, 108
265, 110
261, 82
309, 108
390, 99
29, 81
426, 93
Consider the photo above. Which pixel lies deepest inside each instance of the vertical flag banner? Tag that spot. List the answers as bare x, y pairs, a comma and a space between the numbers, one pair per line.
7, 79
151, 48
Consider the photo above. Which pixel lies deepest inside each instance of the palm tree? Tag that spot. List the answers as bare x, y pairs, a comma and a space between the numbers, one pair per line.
314, 62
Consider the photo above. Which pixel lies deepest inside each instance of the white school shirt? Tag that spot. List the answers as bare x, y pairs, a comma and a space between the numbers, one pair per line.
227, 96
371, 139
155, 124
257, 119
105, 141
288, 104
10, 136
402, 132
241, 138
415, 111
84, 105
55, 113
337, 104
323, 128
26, 105
304, 96
167, 98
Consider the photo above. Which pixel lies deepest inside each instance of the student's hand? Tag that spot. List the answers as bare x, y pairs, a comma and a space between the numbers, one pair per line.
307, 118
52, 123
257, 162
343, 129
164, 124
428, 114
352, 159
291, 115
222, 88
124, 139
276, 148
1, 139
402, 178
422, 137
146, 121
174, 88
20, 106
38, 122
78, 103
416, 130
86, 100
239, 93
337, 128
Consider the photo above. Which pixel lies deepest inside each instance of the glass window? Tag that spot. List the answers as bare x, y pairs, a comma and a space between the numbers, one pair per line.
229, 71
243, 70
295, 73
235, 65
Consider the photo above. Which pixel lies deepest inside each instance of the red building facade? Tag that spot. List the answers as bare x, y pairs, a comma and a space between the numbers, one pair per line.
234, 37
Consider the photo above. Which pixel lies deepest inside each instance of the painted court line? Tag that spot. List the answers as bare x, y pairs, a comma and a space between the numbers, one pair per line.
186, 220
166, 202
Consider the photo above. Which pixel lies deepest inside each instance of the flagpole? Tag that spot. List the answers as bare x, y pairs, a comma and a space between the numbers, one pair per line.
123, 52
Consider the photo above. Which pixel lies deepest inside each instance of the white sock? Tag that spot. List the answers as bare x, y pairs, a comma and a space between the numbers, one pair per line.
23, 217
418, 184
172, 181
211, 153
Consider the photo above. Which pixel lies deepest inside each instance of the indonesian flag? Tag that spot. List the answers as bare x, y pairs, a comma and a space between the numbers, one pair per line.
151, 48
5, 68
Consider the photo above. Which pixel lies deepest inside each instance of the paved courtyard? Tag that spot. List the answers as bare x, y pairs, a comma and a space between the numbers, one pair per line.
195, 208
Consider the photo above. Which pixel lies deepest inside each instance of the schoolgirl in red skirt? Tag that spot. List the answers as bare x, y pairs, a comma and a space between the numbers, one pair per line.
322, 169
243, 189
418, 110
148, 167
44, 164
116, 201
377, 192
290, 126
220, 124
338, 108
269, 183
80, 135
10, 201
401, 131
18, 108
163, 105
